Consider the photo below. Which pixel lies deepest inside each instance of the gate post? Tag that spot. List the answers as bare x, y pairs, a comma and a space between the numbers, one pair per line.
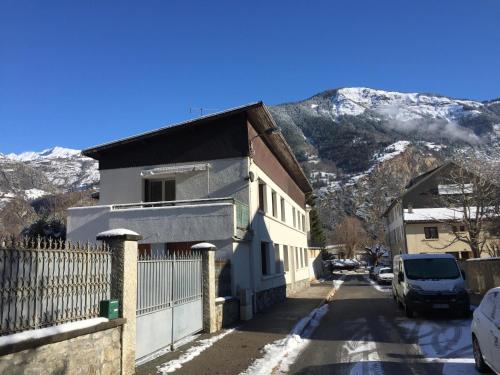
123, 245
208, 273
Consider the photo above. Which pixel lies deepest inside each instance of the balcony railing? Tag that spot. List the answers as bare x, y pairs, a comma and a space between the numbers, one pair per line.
187, 202
241, 209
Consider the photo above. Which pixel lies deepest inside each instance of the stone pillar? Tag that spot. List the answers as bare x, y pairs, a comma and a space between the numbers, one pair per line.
123, 244
208, 272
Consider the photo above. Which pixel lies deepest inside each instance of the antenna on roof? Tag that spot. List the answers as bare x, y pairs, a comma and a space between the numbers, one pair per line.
202, 111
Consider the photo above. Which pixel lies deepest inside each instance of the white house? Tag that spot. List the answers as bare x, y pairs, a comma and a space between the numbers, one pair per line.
229, 179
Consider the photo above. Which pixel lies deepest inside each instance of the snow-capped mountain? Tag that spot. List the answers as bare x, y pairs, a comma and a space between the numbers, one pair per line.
348, 125
31, 175
350, 140
359, 146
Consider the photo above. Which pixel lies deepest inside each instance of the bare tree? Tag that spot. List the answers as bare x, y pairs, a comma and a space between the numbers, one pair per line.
376, 252
471, 194
351, 234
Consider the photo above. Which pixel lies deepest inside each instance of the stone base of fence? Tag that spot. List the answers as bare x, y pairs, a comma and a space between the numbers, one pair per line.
227, 311
93, 350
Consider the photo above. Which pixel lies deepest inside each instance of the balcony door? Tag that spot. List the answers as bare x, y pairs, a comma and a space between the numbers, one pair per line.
159, 190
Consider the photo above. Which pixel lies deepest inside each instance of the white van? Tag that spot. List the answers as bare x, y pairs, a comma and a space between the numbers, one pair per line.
425, 282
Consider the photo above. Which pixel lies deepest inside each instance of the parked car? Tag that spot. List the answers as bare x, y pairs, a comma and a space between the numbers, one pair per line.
485, 330
344, 264
351, 264
385, 275
376, 270
426, 282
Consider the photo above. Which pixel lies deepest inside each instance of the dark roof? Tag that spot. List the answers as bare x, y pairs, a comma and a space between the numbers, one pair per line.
415, 182
417, 179
92, 151
259, 116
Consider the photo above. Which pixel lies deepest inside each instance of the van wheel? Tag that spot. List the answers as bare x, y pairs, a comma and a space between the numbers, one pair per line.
478, 356
408, 312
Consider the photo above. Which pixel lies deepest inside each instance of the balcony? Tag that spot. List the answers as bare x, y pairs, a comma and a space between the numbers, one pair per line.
163, 222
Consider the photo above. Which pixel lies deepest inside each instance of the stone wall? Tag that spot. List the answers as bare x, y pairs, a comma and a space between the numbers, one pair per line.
297, 286
94, 352
227, 312
267, 298
482, 274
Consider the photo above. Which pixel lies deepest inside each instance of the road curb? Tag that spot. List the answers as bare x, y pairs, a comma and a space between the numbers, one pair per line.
328, 298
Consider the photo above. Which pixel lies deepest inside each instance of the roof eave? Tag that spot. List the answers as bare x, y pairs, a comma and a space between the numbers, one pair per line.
92, 152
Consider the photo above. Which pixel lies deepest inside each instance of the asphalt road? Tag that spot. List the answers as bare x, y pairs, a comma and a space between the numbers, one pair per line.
365, 333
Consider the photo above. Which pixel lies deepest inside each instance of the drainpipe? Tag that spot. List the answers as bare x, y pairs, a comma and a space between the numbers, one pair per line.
250, 252
208, 180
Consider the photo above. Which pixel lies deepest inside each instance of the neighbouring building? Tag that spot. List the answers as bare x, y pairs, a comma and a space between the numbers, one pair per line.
417, 222
229, 179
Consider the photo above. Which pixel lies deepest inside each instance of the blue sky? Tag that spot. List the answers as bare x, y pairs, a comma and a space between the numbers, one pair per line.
79, 73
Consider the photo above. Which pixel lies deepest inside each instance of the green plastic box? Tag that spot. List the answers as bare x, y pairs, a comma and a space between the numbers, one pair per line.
109, 308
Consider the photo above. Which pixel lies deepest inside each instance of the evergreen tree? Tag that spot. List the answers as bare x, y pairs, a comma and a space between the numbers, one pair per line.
318, 237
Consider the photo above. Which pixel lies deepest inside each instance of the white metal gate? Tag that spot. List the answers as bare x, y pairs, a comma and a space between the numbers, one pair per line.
169, 300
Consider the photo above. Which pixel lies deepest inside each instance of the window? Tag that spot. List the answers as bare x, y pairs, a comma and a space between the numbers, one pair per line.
283, 209
294, 218
431, 233
285, 258
277, 259
264, 257
274, 204
303, 223
453, 189
262, 196
305, 257
297, 258
460, 228
159, 190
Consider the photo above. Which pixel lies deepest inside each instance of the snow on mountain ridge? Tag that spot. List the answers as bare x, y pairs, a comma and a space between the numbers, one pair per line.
50, 153
400, 106
57, 169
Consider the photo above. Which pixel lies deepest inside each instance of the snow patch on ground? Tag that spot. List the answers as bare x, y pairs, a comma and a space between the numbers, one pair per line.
433, 146
380, 288
281, 354
443, 341
338, 283
393, 150
34, 193
49, 331
191, 353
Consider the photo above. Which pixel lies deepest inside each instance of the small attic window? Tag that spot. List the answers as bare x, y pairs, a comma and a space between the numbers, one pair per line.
454, 189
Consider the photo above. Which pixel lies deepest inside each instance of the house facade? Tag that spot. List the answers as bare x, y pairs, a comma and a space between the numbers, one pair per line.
229, 179
417, 222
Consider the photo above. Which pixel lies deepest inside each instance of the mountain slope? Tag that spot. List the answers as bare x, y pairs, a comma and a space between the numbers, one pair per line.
348, 125
31, 175
361, 146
